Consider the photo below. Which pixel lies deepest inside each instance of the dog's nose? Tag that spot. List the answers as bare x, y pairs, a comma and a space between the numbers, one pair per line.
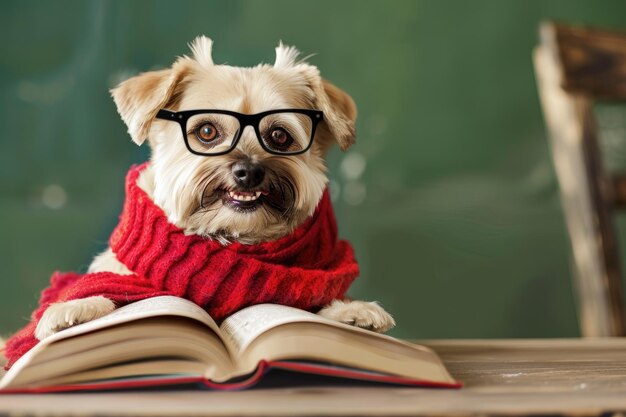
248, 174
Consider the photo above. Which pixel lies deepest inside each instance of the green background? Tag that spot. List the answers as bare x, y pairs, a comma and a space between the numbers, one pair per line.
455, 217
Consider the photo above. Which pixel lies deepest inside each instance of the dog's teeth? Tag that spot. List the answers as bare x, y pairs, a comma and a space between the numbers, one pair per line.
243, 197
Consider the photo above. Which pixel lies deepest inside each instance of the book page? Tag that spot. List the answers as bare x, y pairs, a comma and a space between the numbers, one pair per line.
246, 325
157, 306
137, 342
274, 332
150, 307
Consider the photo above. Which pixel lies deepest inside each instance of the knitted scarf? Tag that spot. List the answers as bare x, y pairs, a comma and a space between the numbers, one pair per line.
306, 269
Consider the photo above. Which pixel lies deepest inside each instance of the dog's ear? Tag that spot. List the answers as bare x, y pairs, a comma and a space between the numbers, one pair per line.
338, 107
139, 98
339, 113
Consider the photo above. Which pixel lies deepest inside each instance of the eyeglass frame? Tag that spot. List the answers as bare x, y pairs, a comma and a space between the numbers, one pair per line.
245, 120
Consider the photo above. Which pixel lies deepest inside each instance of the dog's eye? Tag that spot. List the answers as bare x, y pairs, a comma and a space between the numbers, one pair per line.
206, 133
280, 138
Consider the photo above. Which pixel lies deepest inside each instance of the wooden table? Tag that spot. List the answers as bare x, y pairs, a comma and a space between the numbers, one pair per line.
503, 377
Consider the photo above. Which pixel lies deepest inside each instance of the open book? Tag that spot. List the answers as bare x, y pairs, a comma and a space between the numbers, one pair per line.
170, 341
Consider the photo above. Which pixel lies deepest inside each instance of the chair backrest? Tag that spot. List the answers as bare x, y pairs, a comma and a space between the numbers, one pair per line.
575, 67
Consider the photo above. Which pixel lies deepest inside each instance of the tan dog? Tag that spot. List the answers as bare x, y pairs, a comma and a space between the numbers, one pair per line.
247, 195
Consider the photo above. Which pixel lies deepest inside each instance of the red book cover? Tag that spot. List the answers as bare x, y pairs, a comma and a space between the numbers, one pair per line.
329, 374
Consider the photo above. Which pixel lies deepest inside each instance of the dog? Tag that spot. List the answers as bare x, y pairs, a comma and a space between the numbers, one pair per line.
210, 195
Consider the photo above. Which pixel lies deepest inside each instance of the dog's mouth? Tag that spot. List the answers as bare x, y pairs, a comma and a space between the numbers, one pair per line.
244, 201
276, 198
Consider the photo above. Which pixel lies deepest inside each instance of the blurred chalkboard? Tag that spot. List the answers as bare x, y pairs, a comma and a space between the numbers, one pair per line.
449, 195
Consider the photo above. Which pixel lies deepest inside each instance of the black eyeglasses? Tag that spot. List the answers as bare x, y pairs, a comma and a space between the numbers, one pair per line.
216, 132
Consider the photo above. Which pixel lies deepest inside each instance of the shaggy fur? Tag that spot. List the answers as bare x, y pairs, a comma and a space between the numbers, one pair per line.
190, 189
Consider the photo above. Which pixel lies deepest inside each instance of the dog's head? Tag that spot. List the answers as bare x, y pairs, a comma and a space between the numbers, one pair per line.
227, 174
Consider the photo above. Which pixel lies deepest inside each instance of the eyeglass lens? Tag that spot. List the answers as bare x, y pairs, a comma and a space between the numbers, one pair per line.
212, 133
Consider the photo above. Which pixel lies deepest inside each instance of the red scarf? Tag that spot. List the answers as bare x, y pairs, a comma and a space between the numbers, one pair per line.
306, 269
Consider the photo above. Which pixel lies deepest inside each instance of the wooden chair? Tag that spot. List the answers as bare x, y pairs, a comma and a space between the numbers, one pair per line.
575, 68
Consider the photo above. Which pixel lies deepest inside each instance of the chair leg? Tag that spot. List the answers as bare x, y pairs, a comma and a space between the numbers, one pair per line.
584, 195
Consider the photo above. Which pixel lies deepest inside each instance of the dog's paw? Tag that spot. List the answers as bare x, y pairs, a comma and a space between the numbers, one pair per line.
367, 315
59, 316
